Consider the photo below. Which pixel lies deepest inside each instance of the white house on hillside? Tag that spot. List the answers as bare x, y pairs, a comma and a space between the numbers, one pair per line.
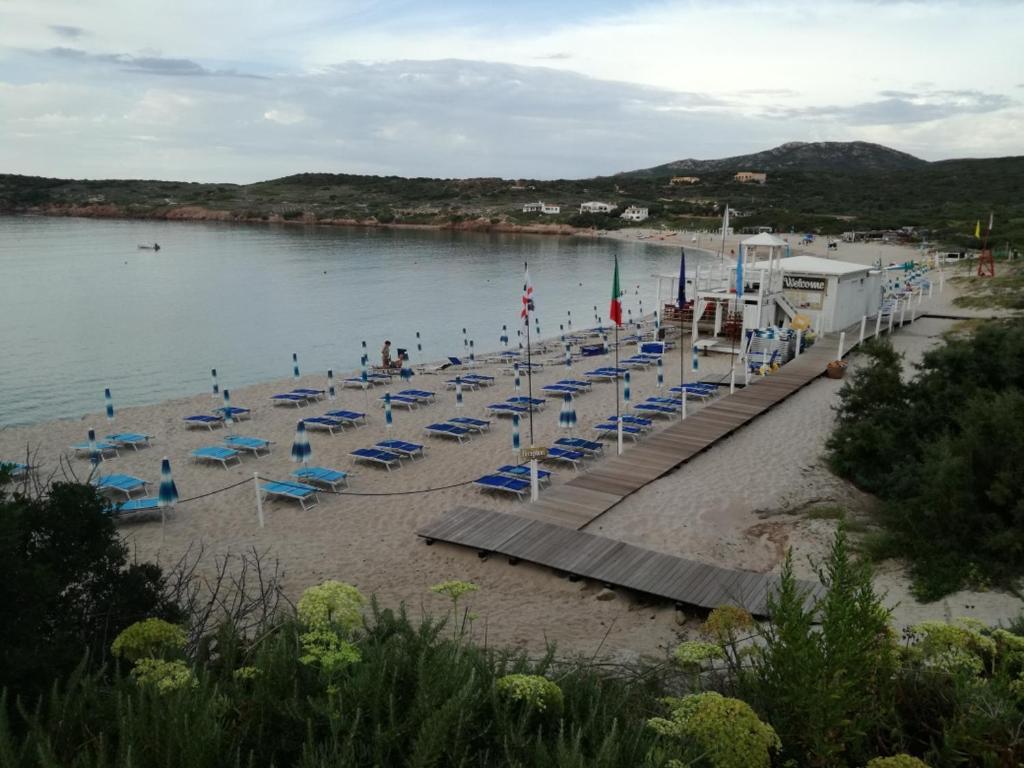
541, 208
634, 213
596, 207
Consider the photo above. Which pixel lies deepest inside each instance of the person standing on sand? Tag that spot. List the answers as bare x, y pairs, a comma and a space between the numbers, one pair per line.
385, 354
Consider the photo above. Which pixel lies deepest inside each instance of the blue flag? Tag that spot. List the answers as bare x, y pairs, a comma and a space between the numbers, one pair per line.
739, 274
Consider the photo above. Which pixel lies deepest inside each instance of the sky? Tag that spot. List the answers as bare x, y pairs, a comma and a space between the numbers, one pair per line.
244, 90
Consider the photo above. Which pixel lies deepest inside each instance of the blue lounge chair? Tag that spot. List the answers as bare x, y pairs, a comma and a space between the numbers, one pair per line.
379, 378
633, 421
125, 484
349, 417
560, 390
324, 422
635, 362
204, 420
668, 402
16, 469
480, 379
103, 449
406, 402
698, 391
522, 472
237, 413
289, 398
466, 384
402, 447
447, 430
506, 409
310, 394
130, 439
327, 478
579, 383
468, 422
537, 403
605, 374
356, 382
609, 429
421, 395
565, 455
216, 453
299, 492
377, 456
134, 505
502, 483
655, 409
579, 444
252, 444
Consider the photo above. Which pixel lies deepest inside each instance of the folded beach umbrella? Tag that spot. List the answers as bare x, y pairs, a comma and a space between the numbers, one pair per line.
661, 374
465, 340
419, 347
568, 312
515, 370
301, 450
568, 356
504, 335
109, 402
472, 356
694, 361
563, 413
213, 377
295, 365
364, 361
228, 421
406, 372
331, 393
515, 432
94, 455
657, 325
389, 420
625, 388
519, 335
572, 413
168, 495
458, 391
561, 331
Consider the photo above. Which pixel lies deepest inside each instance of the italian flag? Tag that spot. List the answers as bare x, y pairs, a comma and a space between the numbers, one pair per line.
615, 312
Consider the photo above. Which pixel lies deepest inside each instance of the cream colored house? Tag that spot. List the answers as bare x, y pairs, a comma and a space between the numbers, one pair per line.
750, 177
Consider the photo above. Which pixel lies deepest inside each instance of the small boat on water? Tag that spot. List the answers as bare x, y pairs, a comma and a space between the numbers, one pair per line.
153, 247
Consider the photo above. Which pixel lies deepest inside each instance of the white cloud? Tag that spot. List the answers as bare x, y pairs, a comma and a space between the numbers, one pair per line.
285, 116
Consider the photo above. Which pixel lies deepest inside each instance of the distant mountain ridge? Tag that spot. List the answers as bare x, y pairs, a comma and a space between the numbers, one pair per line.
844, 156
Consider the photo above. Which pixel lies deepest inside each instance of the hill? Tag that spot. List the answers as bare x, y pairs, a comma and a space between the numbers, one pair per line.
842, 156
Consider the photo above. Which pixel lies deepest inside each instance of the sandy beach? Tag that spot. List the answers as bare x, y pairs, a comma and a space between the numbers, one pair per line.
739, 504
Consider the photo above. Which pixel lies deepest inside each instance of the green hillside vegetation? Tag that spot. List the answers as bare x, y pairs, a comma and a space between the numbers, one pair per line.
827, 188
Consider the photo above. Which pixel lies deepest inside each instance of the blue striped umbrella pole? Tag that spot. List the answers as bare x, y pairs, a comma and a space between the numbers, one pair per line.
568, 356
572, 414
569, 313
661, 374
515, 433
625, 388
213, 377
472, 356
504, 335
561, 333
295, 365
389, 420
168, 495
364, 373
331, 392
419, 347
301, 449
94, 455
519, 335
563, 420
227, 408
694, 362
657, 325
458, 391
406, 372
515, 370
465, 340
108, 401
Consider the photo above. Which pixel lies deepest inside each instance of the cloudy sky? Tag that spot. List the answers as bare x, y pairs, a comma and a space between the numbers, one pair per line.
242, 90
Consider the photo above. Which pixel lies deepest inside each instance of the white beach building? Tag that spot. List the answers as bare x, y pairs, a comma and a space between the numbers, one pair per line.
634, 213
833, 294
541, 207
597, 207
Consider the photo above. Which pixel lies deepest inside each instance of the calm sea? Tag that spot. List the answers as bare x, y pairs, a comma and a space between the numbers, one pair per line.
82, 308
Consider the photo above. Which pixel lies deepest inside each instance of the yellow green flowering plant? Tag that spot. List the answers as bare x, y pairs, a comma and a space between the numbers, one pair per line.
150, 638
535, 692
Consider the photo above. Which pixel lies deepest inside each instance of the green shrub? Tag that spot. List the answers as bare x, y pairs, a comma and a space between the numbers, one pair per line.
148, 638
896, 761
536, 692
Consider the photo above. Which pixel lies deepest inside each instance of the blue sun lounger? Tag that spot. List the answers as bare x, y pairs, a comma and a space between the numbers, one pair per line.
468, 422
356, 382
309, 394
103, 449
506, 409
216, 453
402, 447
589, 447
656, 409
204, 420
634, 421
134, 505
299, 492
125, 484
635, 362
420, 395
236, 413
355, 418
130, 439
322, 476
324, 422
16, 469
252, 444
289, 398
699, 391
447, 430
605, 374
668, 402
406, 402
580, 383
560, 390
537, 403
377, 456
466, 384
502, 483
479, 379
566, 456
610, 429
522, 472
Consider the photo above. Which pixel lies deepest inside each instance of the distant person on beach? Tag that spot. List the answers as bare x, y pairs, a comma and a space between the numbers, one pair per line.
385, 354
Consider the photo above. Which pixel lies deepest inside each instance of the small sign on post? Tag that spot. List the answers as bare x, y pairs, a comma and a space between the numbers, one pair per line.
532, 453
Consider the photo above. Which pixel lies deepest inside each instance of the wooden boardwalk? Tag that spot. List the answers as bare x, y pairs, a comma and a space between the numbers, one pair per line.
607, 561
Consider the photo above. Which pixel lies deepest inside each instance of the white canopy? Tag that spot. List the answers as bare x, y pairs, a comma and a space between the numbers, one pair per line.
764, 239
